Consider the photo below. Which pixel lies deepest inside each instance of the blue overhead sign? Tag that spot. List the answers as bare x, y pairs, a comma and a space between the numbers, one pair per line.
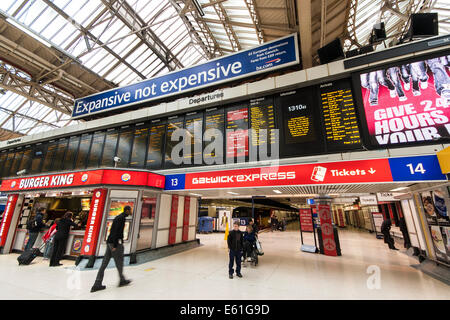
269, 56
420, 168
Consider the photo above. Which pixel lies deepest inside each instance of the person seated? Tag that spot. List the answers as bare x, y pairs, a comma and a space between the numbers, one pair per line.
249, 242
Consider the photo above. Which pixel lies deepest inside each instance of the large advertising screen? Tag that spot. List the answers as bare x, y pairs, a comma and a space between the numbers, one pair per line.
407, 103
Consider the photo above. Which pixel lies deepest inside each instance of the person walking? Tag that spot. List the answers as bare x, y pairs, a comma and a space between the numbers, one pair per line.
60, 238
34, 227
385, 230
115, 250
235, 242
404, 230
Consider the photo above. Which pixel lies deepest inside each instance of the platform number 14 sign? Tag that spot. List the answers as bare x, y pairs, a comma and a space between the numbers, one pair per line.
418, 169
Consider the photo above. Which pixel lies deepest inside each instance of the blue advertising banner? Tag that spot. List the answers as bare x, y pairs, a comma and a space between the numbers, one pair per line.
272, 55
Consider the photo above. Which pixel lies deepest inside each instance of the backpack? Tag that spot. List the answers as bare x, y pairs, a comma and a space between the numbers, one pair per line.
31, 224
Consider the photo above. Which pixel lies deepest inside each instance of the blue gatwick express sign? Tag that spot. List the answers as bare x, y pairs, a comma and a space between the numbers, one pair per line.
269, 56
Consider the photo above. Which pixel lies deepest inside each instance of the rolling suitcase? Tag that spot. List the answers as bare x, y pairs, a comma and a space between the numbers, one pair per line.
29, 255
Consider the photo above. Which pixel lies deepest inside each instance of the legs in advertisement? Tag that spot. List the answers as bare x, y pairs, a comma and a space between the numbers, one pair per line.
394, 76
31, 240
406, 75
419, 74
373, 88
117, 255
441, 78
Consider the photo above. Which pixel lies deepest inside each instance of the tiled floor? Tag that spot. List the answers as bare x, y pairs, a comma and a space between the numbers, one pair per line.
284, 272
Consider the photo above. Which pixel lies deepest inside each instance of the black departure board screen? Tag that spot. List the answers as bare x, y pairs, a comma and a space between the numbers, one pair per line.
8, 163
96, 149
49, 155
237, 131
194, 126
71, 152
339, 116
16, 163
214, 119
3, 156
27, 154
109, 149
38, 156
299, 123
173, 123
59, 154
124, 146
139, 146
155, 144
262, 117
83, 150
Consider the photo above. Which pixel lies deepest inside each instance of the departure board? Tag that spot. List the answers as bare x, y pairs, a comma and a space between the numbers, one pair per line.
299, 123
194, 126
96, 149
139, 147
59, 154
339, 116
109, 150
16, 163
71, 152
51, 150
28, 152
173, 123
237, 131
155, 144
214, 119
262, 117
38, 156
124, 146
83, 151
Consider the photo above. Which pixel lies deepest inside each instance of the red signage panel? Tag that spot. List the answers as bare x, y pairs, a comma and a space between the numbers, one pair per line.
187, 209
341, 218
173, 220
306, 221
94, 222
7, 217
326, 226
361, 171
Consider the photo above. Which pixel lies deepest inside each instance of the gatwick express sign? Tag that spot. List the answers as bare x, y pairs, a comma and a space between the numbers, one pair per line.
269, 56
342, 172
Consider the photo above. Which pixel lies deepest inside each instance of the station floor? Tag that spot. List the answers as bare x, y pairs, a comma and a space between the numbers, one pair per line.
284, 272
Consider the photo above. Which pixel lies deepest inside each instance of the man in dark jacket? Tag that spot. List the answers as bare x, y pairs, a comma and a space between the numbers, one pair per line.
235, 245
385, 230
60, 240
404, 230
114, 249
36, 225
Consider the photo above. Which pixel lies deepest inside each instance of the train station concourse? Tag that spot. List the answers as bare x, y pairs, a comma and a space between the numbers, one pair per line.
223, 150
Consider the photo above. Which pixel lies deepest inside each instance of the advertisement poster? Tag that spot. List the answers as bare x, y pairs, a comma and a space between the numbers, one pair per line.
126, 229
377, 221
439, 205
117, 206
77, 244
438, 243
428, 206
446, 233
86, 204
224, 219
329, 243
306, 221
407, 103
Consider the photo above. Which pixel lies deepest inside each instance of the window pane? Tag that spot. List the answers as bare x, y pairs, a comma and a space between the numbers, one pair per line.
155, 146
38, 156
139, 147
69, 158
96, 149
109, 151
3, 156
83, 151
59, 154
26, 159
124, 148
51, 150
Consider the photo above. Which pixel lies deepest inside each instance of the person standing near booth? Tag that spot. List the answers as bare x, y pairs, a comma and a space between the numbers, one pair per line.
60, 239
115, 250
235, 246
385, 230
34, 228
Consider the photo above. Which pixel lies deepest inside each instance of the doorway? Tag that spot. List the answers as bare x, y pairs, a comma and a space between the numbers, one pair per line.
146, 224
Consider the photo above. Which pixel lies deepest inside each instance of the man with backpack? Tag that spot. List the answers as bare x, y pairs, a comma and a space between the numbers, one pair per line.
34, 226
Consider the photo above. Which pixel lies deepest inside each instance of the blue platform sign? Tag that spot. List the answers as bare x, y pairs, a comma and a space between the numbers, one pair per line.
420, 168
270, 56
175, 182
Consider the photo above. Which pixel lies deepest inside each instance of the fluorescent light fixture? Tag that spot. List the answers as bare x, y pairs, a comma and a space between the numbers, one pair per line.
399, 189
277, 191
199, 8
28, 31
234, 193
